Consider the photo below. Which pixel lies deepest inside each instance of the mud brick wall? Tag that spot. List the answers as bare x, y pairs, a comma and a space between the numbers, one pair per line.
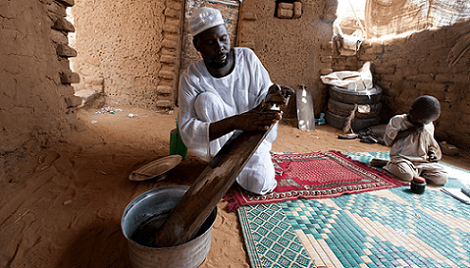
290, 49
36, 98
134, 48
430, 62
131, 47
170, 54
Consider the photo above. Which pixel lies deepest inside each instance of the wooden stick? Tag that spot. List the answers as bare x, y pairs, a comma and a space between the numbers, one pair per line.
357, 19
204, 194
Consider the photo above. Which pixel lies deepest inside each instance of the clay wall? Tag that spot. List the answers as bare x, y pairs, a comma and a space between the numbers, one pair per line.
290, 49
35, 77
130, 49
430, 62
133, 50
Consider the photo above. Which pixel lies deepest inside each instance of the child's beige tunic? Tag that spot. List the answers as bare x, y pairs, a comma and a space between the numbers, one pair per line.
409, 155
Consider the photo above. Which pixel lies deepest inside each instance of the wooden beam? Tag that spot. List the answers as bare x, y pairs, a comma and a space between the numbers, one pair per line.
204, 194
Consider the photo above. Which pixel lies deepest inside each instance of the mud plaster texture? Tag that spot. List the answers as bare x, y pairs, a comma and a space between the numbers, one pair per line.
290, 49
33, 108
423, 63
123, 42
119, 42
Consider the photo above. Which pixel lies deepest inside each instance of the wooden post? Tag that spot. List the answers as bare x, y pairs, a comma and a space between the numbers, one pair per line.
204, 194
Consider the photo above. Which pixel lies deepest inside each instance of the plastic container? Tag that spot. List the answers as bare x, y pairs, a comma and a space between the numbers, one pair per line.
176, 143
418, 185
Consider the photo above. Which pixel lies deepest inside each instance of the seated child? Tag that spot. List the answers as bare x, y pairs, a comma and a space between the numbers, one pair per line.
414, 151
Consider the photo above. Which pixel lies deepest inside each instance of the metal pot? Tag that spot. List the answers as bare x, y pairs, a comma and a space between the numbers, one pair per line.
159, 203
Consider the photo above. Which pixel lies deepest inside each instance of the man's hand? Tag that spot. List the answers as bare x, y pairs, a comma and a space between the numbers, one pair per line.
253, 120
278, 95
256, 119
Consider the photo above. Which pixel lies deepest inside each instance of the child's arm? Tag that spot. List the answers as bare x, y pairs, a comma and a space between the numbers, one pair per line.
432, 157
405, 133
434, 151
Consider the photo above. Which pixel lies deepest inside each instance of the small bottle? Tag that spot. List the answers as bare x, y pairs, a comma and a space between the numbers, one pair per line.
418, 185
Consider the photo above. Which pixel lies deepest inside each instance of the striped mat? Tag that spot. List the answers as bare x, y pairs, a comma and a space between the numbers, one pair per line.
386, 228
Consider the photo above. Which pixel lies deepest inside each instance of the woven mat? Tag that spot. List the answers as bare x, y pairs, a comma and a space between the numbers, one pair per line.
315, 175
387, 228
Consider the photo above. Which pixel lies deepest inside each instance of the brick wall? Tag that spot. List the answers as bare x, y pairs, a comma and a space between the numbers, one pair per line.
424, 63
290, 49
36, 97
170, 54
145, 73
130, 48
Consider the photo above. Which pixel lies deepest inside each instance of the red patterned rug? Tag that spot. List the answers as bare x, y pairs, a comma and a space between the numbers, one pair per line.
315, 175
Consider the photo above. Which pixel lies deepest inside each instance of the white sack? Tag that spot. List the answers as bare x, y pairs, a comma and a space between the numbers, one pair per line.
356, 81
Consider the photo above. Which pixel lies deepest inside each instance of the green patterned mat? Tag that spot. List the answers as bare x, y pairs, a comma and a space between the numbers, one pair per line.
386, 228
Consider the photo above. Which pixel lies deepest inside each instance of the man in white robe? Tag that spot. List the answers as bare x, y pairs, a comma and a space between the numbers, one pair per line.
224, 92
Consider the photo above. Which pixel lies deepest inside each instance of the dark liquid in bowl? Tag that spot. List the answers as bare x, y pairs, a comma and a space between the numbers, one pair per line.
145, 234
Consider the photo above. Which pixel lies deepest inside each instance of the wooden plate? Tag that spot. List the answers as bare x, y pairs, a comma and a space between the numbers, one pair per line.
155, 168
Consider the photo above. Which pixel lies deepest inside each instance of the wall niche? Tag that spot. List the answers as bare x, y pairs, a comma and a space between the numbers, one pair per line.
288, 9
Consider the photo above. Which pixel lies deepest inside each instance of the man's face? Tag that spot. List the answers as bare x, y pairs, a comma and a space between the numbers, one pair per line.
214, 46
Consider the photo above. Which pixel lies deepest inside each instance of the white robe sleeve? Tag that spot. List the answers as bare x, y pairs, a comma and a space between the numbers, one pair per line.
194, 132
240, 91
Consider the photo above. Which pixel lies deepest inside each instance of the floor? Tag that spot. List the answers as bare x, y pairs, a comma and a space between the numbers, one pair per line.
63, 206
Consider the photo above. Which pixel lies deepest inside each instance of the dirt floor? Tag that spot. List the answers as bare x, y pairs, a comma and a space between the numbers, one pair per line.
63, 207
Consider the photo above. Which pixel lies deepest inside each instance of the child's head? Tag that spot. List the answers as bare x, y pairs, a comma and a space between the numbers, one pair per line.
424, 109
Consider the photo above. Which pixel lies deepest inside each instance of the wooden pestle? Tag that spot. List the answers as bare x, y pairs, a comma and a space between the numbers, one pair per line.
204, 194
214, 181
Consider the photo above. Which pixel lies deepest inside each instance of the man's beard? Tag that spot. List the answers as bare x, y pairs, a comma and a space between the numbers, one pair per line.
220, 64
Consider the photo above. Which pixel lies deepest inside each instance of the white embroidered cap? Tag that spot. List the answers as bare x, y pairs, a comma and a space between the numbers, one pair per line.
204, 18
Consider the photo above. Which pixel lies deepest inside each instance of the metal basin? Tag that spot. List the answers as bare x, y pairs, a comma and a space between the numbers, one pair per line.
159, 203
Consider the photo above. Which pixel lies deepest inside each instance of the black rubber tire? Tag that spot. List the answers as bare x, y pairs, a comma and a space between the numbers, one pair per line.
360, 97
356, 124
344, 109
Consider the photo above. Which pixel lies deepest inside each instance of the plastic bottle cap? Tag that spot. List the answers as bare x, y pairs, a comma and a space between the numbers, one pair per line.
419, 180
